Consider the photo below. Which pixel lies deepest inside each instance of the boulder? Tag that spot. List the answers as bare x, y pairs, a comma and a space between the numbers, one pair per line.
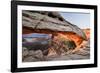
24, 52
30, 59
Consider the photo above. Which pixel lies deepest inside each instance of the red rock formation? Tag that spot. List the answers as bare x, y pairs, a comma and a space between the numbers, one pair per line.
71, 36
79, 41
87, 32
67, 35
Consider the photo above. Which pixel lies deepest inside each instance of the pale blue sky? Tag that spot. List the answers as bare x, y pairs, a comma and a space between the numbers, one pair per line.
82, 20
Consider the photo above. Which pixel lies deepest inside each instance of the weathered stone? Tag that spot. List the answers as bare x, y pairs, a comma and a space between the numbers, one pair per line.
30, 59
24, 52
32, 56
49, 20
31, 52
83, 52
39, 54
24, 48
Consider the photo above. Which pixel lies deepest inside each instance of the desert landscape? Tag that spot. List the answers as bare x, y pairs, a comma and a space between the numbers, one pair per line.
47, 36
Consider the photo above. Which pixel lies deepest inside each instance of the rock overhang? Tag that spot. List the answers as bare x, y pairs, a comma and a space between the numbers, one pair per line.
42, 20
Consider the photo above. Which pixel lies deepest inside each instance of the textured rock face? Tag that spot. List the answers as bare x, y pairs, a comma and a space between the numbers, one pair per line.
87, 32
65, 37
49, 21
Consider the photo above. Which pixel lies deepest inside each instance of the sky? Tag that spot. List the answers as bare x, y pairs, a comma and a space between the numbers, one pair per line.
82, 20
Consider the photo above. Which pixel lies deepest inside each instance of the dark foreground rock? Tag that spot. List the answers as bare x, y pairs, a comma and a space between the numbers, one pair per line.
32, 56
35, 56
